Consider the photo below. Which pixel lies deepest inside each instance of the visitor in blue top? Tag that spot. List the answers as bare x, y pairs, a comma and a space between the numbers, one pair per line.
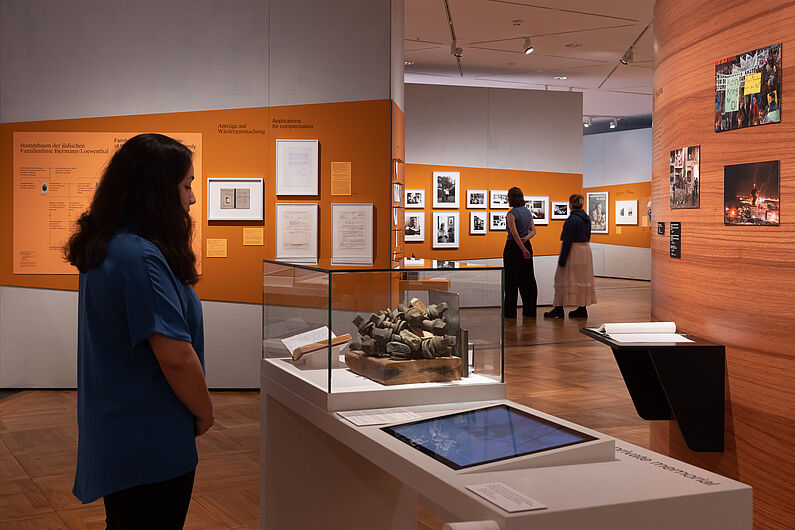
517, 258
141, 394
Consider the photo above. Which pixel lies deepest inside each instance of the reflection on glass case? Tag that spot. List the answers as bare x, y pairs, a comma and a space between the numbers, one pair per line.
368, 330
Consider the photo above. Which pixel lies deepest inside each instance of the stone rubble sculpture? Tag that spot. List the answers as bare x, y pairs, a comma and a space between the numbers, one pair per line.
405, 332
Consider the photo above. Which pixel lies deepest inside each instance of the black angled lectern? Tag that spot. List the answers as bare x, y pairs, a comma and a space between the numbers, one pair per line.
675, 380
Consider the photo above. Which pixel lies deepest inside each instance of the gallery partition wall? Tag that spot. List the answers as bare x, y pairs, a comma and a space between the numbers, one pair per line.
719, 85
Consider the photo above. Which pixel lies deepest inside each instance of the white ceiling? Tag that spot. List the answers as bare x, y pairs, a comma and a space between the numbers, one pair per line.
492, 33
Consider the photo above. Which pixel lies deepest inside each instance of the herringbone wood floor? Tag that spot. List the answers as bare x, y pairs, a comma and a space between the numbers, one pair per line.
550, 366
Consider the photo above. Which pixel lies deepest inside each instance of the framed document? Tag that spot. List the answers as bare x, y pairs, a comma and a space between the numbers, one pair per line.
477, 223
296, 232
539, 207
445, 230
234, 199
351, 234
414, 226
560, 210
415, 198
446, 189
296, 167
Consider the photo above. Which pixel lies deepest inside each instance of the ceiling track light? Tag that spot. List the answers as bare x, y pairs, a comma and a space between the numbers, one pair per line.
528, 48
613, 123
456, 50
587, 122
627, 57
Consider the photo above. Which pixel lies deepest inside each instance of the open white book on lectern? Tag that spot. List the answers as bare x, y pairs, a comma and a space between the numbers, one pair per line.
643, 332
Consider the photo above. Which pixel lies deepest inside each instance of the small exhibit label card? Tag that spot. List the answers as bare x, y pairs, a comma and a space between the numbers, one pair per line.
505, 497
378, 416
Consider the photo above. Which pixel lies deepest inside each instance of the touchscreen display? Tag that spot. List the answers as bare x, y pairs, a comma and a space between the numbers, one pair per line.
475, 437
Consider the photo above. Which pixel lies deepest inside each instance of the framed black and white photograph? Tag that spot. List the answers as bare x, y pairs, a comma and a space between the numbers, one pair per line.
445, 230
415, 198
234, 199
477, 198
539, 207
499, 199
560, 210
297, 167
477, 223
497, 221
446, 189
445, 264
627, 212
413, 262
683, 168
414, 226
597, 211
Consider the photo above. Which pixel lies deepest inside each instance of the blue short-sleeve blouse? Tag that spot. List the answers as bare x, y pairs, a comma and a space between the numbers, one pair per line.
133, 429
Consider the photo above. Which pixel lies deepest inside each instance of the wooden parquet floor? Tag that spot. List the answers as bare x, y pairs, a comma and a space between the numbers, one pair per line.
550, 366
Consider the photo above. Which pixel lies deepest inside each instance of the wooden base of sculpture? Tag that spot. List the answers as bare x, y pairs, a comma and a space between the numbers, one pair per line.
393, 372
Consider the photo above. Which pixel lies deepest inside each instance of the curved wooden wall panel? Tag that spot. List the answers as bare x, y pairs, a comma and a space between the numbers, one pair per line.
734, 285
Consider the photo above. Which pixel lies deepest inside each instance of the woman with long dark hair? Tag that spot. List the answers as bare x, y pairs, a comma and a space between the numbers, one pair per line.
141, 393
517, 258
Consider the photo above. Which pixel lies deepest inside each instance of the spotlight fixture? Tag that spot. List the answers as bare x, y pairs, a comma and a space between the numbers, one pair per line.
613, 123
408, 62
528, 48
456, 50
587, 122
627, 57
560, 77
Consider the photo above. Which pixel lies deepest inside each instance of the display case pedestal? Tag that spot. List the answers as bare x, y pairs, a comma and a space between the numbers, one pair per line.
312, 480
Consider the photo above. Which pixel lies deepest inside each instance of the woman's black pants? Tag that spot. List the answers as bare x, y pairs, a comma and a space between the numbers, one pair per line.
162, 505
519, 277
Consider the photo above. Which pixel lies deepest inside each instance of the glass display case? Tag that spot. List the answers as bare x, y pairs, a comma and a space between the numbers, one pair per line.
367, 338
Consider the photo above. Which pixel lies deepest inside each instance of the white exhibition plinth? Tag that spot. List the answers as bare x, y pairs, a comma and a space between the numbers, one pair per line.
320, 471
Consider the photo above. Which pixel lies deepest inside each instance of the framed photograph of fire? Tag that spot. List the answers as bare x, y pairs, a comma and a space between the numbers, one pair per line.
751, 194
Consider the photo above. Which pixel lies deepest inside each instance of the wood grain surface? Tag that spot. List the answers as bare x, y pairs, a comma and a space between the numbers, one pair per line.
733, 284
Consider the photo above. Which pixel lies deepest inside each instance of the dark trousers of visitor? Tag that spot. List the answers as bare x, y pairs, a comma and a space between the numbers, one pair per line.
519, 276
161, 505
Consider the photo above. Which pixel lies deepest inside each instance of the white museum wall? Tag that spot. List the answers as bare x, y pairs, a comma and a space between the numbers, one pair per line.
616, 158
608, 159
621, 261
494, 127
38, 340
306, 46
62, 60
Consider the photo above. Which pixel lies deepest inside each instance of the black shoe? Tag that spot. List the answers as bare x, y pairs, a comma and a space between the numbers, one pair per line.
580, 312
556, 312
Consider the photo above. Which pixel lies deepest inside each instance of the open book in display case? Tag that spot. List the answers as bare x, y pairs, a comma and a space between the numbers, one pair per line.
365, 338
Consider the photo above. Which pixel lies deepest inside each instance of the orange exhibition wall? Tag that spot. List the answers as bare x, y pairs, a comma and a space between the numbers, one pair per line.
638, 235
557, 186
242, 143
